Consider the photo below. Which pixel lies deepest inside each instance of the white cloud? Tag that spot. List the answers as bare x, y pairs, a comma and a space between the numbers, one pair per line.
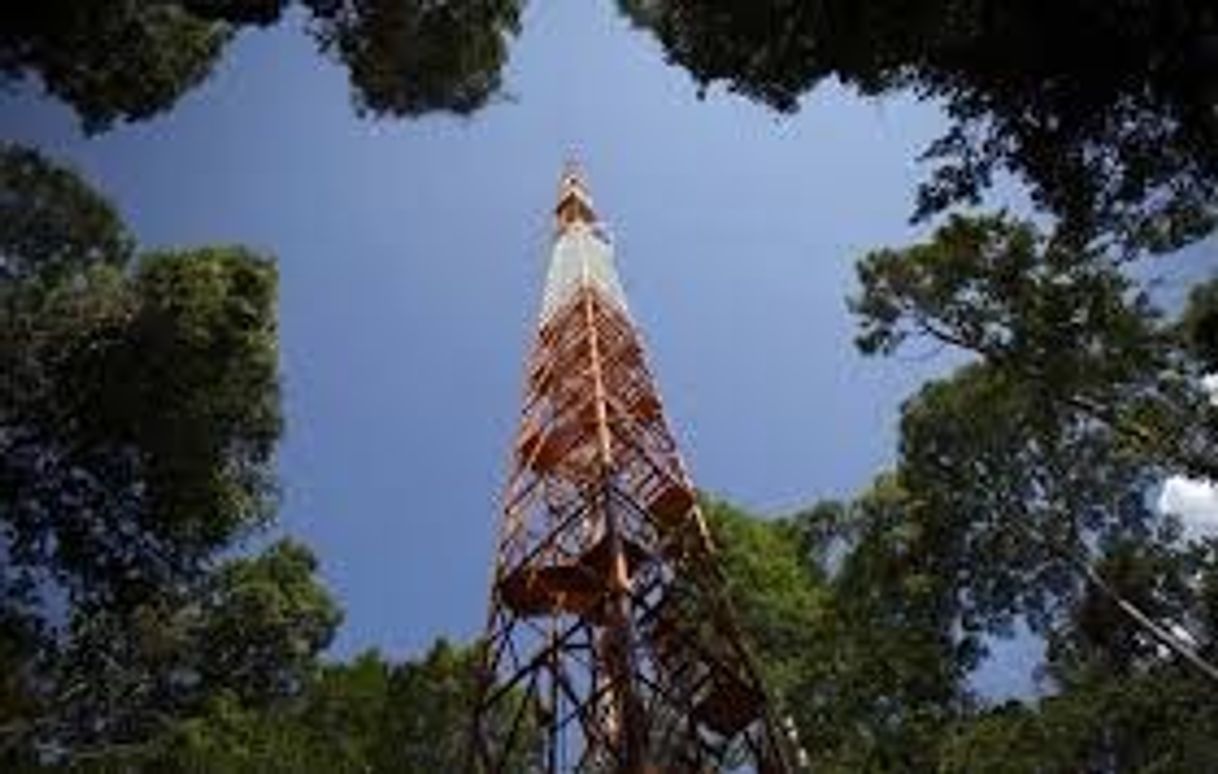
1194, 502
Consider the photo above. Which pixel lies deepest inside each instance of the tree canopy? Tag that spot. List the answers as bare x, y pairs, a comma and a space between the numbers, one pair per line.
138, 418
136, 450
1021, 504
140, 408
132, 59
1084, 396
870, 639
1106, 111
1028, 476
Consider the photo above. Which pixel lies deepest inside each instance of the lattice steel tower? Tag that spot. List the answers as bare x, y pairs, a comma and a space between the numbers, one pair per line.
609, 646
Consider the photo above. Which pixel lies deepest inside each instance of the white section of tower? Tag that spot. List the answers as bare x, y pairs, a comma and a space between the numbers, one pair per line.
582, 257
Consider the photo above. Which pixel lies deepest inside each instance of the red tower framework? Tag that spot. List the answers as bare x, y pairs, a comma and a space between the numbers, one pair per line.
609, 645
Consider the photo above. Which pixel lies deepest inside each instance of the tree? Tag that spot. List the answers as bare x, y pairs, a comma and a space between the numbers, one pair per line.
853, 628
132, 59
1200, 324
431, 703
1000, 483
261, 624
124, 60
1157, 722
1083, 399
780, 597
1118, 706
863, 625
901, 656
1034, 464
138, 418
331, 726
52, 223
366, 715
1068, 325
246, 639
141, 408
139, 429
1106, 112
410, 57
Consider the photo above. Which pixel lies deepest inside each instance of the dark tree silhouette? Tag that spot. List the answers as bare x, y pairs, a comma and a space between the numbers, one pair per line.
1109, 111
139, 411
128, 60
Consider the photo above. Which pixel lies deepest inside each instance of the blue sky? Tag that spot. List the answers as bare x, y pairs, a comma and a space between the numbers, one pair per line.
411, 258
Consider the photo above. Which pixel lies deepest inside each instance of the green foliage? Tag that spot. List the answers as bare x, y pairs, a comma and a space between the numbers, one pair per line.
409, 57
138, 418
1021, 479
898, 663
995, 286
332, 726
142, 405
1118, 707
1065, 326
50, 222
368, 715
876, 678
246, 638
120, 60
1083, 399
1027, 477
210, 423
132, 59
1075, 364
1105, 110
236, 12
432, 702
139, 432
778, 595
1200, 323
262, 623
851, 627
1100, 638
1157, 723
996, 476
233, 738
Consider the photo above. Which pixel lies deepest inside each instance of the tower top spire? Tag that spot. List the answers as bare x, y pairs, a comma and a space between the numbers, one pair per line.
574, 202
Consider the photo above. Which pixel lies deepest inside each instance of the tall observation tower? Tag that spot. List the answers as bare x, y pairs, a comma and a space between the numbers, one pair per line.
609, 646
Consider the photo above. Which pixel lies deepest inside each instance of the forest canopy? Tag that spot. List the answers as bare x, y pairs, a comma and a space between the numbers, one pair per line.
1107, 112
147, 621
